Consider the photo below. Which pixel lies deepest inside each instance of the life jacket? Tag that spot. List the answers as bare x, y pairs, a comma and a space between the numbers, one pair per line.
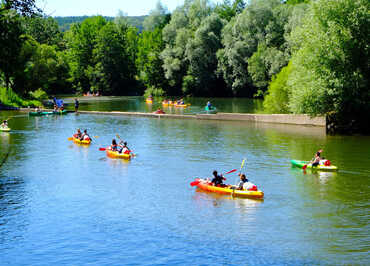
249, 186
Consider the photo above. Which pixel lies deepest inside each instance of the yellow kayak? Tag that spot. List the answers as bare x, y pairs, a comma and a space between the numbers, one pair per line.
149, 101
206, 185
117, 155
83, 142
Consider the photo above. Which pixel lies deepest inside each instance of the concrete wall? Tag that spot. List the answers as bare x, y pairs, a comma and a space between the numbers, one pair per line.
264, 118
268, 118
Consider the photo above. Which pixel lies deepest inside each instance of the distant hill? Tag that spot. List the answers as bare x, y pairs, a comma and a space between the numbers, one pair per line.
65, 22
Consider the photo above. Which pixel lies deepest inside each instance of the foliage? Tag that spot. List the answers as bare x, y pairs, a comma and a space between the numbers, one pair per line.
277, 98
65, 23
10, 98
24, 7
39, 94
156, 92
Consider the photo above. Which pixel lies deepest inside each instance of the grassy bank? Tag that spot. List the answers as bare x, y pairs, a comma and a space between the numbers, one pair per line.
9, 98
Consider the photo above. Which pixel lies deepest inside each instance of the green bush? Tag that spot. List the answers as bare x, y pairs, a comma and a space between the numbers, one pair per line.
39, 94
155, 92
10, 98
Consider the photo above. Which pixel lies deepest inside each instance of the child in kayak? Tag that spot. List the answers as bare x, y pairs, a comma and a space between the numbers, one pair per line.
4, 124
244, 184
85, 136
217, 179
116, 147
316, 160
78, 135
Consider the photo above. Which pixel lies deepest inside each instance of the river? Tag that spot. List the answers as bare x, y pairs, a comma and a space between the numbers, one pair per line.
63, 204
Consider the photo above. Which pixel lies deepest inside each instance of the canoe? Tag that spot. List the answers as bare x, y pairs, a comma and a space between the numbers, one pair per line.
148, 101
300, 164
206, 185
82, 142
40, 113
4, 129
117, 155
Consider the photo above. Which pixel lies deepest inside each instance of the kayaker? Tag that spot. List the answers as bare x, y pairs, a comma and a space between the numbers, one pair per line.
125, 149
78, 135
4, 124
116, 147
209, 105
245, 184
217, 179
77, 104
316, 160
85, 136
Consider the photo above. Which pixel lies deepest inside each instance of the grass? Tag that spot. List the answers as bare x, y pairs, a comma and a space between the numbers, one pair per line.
10, 98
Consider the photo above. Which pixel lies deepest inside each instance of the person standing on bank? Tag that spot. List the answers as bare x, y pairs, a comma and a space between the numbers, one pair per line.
77, 104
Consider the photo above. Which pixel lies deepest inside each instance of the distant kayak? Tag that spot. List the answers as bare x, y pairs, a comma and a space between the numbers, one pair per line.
210, 109
60, 112
149, 101
206, 185
182, 105
321, 167
83, 142
117, 155
4, 129
40, 113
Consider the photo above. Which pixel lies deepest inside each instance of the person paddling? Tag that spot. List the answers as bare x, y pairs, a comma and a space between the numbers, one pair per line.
316, 160
4, 124
85, 136
244, 184
117, 147
78, 135
217, 179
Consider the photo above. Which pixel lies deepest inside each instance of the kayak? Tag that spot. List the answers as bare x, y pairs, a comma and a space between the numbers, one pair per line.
60, 112
206, 185
40, 113
182, 105
210, 110
300, 164
83, 142
117, 155
4, 129
148, 101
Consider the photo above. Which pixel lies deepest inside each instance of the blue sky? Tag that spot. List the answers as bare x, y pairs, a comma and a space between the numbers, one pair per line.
103, 7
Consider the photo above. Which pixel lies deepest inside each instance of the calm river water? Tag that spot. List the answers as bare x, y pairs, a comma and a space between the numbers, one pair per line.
63, 204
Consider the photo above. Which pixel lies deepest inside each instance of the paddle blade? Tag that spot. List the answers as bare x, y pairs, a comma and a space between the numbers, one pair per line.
102, 149
194, 183
241, 167
304, 167
96, 137
232, 171
70, 138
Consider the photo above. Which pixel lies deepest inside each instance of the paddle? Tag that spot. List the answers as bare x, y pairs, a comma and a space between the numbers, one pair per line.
194, 183
102, 149
240, 171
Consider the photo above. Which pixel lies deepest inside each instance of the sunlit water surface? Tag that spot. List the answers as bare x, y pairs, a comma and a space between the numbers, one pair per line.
66, 204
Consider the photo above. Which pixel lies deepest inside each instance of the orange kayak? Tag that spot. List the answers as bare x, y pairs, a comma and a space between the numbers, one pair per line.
83, 142
206, 185
117, 155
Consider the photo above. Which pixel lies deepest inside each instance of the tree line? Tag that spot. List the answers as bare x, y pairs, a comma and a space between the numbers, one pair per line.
300, 56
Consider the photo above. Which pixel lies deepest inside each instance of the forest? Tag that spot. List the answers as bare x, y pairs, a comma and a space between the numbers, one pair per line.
299, 56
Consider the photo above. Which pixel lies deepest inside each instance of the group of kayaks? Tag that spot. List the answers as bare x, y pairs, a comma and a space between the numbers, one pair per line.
109, 152
207, 185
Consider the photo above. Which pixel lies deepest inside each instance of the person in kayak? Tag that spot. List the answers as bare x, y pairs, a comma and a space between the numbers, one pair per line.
78, 135
116, 147
85, 136
217, 179
316, 160
125, 149
244, 184
209, 105
4, 124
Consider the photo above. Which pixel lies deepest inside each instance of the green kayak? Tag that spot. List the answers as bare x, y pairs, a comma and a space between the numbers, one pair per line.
210, 110
60, 112
320, 167
39, 113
